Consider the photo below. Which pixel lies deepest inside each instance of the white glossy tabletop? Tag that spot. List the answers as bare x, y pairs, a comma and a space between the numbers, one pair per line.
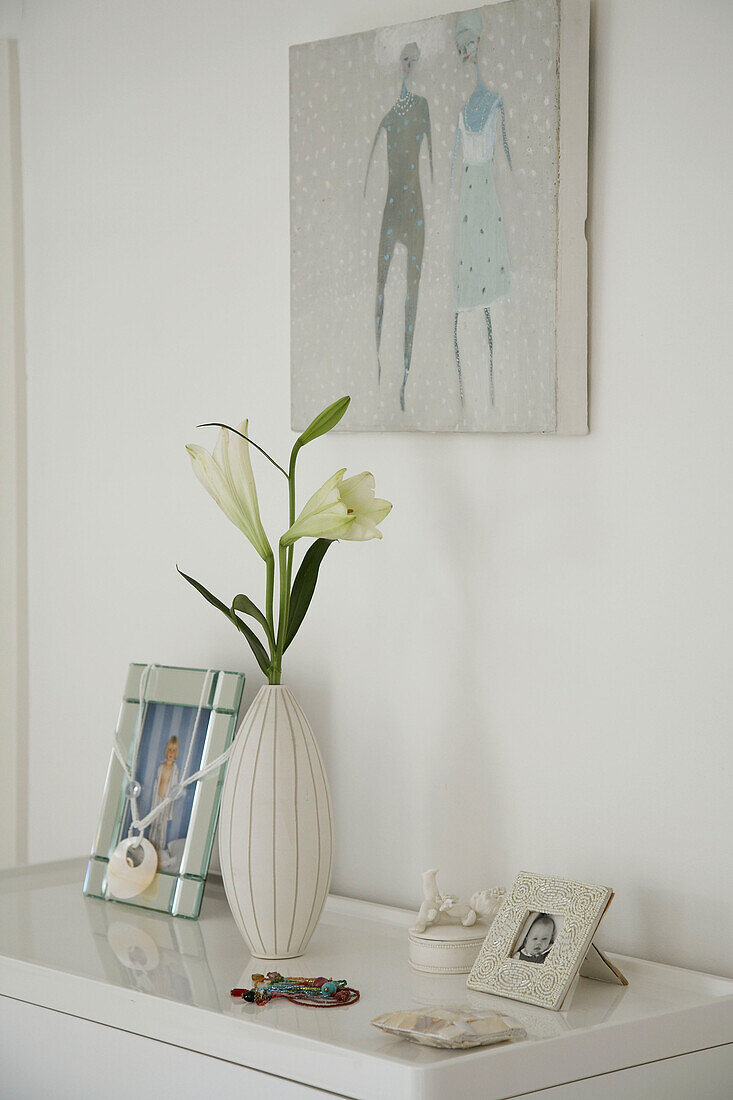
169, 978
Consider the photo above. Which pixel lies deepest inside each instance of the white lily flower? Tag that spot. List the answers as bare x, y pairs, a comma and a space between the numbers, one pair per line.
357, 493
341, 510
227, 476
324, 516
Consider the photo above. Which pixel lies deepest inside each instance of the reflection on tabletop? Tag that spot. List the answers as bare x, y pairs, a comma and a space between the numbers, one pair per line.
155, 955
589, 1003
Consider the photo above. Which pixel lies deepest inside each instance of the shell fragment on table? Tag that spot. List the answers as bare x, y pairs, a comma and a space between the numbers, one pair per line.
454, 1028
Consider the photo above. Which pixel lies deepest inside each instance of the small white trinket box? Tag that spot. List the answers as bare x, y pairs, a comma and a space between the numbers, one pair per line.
446, 948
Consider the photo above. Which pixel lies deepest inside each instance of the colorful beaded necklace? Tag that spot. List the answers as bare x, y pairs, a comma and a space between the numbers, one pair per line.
316, 992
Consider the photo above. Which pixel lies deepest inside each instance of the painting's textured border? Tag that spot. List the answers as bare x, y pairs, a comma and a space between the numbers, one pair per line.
572, 253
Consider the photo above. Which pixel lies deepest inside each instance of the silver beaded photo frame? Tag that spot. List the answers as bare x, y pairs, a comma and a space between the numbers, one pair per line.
541, 938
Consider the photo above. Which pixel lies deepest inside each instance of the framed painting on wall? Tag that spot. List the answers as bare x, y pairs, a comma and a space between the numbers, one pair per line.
438, 201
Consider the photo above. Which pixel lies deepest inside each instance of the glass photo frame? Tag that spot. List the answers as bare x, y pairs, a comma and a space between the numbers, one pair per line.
173, 722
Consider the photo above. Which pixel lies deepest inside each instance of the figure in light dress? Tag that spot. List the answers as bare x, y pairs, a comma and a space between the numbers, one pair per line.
481, 259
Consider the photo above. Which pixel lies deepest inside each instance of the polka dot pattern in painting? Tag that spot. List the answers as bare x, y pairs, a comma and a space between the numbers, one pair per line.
341, 90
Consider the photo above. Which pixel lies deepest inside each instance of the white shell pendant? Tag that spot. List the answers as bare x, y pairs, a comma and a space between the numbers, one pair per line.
132, 867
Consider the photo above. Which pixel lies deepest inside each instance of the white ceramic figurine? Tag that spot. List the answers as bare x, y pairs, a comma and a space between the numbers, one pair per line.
437, 908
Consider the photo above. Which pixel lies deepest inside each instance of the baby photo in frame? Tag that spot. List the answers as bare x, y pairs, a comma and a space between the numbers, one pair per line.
161, 799
537, 936
541, 939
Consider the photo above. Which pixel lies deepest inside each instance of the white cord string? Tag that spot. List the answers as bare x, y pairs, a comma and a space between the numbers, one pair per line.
130, 772
140, 825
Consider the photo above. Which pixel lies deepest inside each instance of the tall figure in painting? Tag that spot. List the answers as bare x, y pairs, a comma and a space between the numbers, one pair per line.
481, 260
405, 125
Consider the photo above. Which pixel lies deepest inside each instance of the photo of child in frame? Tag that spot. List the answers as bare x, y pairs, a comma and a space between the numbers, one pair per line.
166, 778
170, 750
536, 937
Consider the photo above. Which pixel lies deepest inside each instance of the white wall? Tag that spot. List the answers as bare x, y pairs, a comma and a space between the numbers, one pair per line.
13, 489
531, 670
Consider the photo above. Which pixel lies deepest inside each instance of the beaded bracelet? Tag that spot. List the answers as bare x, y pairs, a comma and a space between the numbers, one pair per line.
315, 992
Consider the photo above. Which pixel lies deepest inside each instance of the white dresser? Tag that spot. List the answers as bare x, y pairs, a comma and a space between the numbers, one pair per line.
105, 1001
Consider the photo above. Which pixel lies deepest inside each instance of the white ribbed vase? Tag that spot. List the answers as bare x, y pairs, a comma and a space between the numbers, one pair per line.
275, 827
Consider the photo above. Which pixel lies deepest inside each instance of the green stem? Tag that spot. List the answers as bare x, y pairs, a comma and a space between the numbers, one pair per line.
273, 676
270, 597
285, 562
283, 618
291, 519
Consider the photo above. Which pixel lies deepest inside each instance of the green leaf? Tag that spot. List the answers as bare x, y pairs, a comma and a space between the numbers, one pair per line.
207, 595
236, 431
259, 651
324, 422
248, 607
261, 654
304, 586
